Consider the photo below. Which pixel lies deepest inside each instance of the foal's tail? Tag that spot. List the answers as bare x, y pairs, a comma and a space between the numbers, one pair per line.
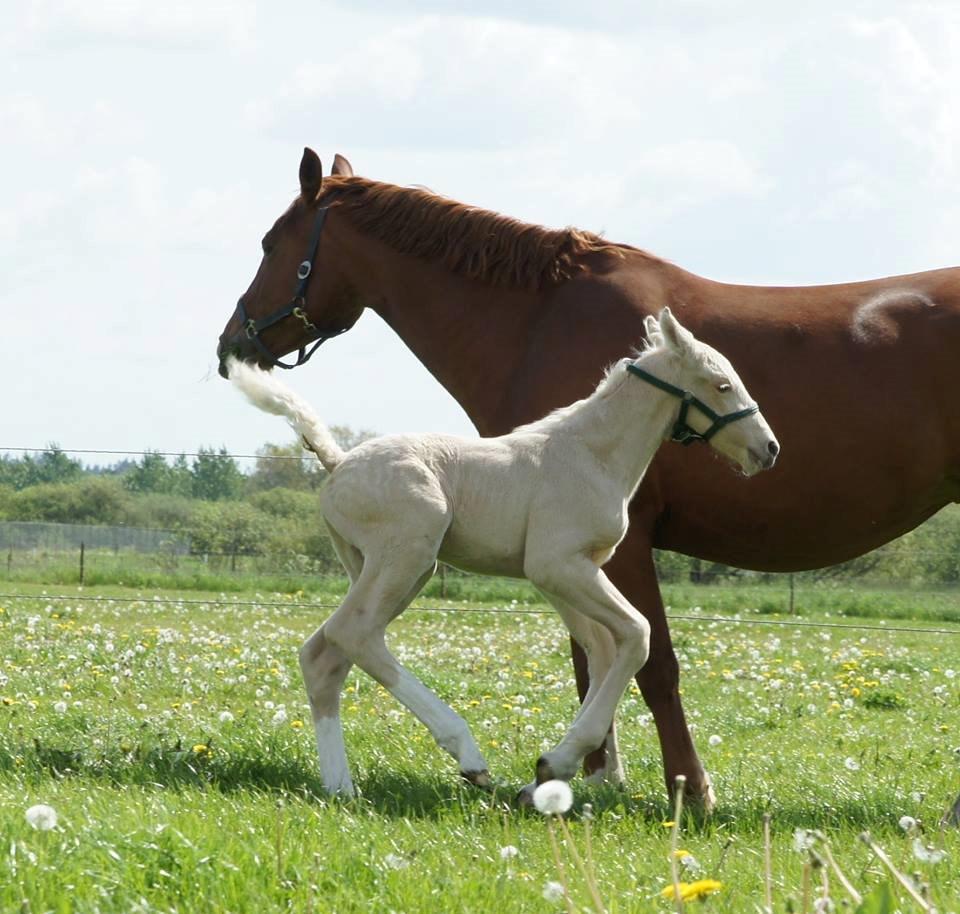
267, 392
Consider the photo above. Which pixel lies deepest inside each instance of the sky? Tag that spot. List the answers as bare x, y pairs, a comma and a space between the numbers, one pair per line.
146, 147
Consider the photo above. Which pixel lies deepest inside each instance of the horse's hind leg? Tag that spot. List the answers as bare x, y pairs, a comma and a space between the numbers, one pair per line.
383, 590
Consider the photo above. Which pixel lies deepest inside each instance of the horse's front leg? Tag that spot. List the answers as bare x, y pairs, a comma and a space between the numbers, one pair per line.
633, 572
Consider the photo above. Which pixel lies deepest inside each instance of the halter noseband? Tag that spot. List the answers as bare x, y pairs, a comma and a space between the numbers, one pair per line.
682, 431
294, 308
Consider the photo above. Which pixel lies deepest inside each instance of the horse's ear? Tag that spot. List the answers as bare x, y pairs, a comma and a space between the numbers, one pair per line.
311, 174
341, 166
652, 328
676, 335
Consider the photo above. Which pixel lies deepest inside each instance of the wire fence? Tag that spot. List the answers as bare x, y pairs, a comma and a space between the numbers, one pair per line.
91, 554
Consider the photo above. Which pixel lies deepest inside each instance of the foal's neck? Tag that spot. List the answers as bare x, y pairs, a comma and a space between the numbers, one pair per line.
625, 424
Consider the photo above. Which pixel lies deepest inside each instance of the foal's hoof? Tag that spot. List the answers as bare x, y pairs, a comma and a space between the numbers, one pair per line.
524, 799
701, 798
479, 779
545, 770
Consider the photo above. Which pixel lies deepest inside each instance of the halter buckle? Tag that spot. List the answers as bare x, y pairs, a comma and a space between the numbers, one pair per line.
250, 328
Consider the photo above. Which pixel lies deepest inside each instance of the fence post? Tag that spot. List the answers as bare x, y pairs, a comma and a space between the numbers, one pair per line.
791, 593
443, 581
9, 560
81, 561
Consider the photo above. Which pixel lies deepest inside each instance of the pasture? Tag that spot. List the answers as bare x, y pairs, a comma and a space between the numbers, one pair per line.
171, 734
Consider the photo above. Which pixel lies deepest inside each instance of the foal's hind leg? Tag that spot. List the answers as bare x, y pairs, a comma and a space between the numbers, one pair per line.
357, 628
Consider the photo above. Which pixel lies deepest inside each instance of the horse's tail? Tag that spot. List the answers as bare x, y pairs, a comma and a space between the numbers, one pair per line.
267, 392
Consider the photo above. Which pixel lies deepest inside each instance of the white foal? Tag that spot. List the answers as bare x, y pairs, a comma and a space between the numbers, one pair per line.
547, 502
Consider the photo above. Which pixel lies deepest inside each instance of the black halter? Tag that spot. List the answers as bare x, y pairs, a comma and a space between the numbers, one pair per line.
295, 308
682, 431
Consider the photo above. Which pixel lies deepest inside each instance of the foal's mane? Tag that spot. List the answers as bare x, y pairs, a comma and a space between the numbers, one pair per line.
473, 242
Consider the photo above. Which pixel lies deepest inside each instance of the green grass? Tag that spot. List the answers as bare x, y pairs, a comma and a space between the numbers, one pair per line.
113, 712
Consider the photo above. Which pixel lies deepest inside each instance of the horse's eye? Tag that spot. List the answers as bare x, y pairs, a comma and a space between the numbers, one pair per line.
723, 388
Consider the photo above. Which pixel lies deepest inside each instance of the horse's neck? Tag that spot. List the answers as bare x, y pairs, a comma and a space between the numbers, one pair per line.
470, 336
624, 427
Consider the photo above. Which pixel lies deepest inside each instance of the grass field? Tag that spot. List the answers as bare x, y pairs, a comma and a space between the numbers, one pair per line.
171, 736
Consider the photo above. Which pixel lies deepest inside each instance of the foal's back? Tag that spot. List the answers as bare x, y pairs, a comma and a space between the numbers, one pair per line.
465, 500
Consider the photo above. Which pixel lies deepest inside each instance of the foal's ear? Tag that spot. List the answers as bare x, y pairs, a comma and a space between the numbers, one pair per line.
676, 335
652, 327
341, 166
311, 174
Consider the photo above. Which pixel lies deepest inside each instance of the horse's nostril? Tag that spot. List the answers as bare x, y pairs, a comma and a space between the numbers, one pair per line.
773, 448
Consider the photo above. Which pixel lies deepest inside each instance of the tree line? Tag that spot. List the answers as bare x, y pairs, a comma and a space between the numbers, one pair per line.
272, 510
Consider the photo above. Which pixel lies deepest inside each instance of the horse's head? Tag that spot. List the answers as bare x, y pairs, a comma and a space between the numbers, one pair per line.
714, 404
298, 298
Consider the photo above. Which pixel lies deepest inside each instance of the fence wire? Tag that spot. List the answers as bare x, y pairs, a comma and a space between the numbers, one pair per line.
491, 610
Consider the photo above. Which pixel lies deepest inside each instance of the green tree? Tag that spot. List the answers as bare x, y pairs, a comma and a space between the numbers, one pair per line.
229, 527
151, 474
285, 466
215, 475
89, 500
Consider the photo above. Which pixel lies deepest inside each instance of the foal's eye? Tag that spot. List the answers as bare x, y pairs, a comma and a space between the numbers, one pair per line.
723, 387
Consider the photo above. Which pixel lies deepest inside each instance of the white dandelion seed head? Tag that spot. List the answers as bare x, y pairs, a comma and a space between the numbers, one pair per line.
804, 839
280, 717
225, 717
553, 797
823, 906
907, 823
553, 891
926, 854
42, 817
395, 862
851, 764
508, 852
60, 707
715, 740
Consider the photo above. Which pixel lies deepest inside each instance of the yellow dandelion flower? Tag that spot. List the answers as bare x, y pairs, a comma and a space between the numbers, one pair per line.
201, 749
692, 891
296, 724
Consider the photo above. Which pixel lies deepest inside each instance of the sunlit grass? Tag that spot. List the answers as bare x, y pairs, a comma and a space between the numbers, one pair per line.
173, 740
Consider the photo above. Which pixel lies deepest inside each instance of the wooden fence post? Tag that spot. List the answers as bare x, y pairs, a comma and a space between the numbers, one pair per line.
81, 561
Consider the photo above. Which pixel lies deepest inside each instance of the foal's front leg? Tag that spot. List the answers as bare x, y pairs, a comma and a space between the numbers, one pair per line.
578, 582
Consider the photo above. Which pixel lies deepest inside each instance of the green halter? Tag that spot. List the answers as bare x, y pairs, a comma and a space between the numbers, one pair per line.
682, 431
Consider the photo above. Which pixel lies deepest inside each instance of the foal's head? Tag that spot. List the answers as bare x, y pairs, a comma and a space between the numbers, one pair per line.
714, 405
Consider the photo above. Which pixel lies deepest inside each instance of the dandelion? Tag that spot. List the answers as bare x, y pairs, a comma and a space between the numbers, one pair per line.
42, 817
715, 740
851, 764
60, 707
925, 853
804, 839
553, 797
907, 823
395, 862
692, 891
508, 852
279, 718
201, 749
225, 717
553, 891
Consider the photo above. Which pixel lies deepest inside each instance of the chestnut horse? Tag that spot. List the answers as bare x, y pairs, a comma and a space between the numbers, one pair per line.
860, 380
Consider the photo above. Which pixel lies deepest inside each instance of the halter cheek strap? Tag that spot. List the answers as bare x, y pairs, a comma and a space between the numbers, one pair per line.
682, 431
251, 328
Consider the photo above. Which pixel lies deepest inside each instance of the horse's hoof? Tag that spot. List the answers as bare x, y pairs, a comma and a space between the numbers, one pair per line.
544, 770
479, 779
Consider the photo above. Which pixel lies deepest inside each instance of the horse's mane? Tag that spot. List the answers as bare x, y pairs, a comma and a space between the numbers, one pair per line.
473, 242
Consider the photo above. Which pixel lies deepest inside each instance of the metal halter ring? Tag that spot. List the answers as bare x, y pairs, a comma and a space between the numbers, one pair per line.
303, 271
302, 315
